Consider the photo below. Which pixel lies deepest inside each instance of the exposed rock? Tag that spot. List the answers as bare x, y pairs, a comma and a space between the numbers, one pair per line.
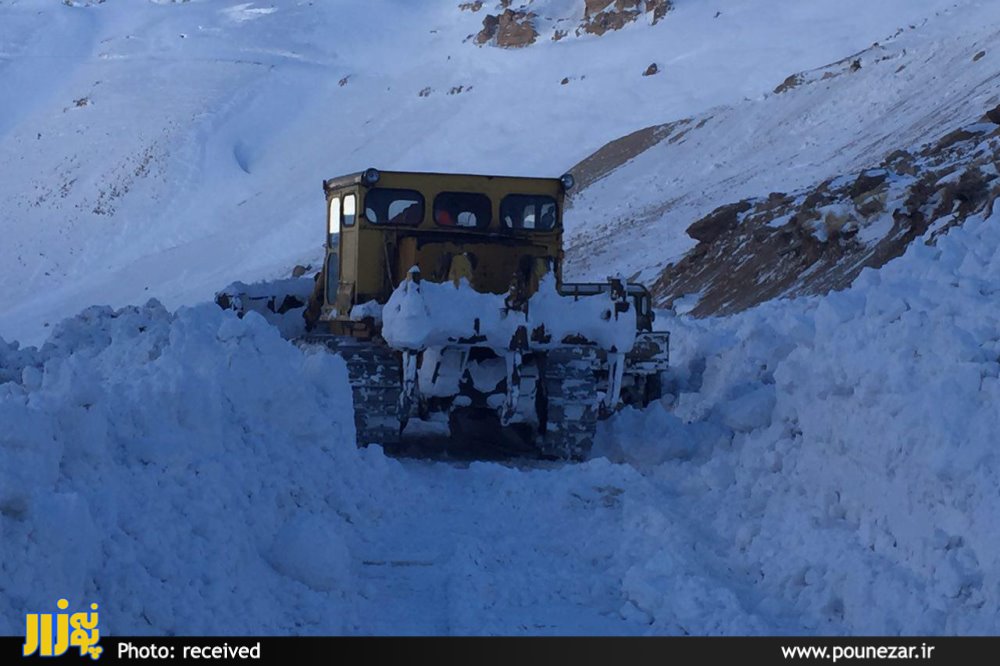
490, 24
592, 7
791, 82
598, 21
652, 69
599, 16
805, 243
868, 181
993, 115
720, 220
950, 139
511, 29
978, 56
516, 29
564, 81
900, 161
659, 8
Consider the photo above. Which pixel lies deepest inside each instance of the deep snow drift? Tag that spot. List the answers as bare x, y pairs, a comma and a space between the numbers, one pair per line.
165, 464
828, 466
843, 449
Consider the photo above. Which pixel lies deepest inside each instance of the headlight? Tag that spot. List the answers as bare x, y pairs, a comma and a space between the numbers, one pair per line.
567, 181
370, 176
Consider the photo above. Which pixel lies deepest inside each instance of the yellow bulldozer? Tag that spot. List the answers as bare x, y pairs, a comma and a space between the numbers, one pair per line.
444, 295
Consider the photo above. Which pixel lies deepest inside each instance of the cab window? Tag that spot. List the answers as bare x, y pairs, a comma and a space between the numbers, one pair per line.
462, 209
395, 207
333, 225
349, 210
523, 211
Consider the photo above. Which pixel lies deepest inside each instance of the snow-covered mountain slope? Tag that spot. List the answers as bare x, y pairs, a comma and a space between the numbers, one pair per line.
915, 86
165, 149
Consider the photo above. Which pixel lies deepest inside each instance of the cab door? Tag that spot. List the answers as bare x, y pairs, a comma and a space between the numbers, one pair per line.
341, 250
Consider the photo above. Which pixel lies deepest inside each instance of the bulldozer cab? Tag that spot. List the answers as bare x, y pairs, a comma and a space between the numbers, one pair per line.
496, 232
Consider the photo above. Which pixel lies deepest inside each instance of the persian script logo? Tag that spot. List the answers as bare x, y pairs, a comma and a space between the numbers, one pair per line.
38, 633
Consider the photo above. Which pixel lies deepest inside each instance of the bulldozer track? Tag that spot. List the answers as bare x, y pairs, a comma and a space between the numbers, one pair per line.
567, 405
570, 413
375, 375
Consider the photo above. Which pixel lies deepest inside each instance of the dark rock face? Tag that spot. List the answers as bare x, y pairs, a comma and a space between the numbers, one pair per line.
719, 221
515, 28
510, 30
652, 69
868, 181
599, 16
993, 115
489, 31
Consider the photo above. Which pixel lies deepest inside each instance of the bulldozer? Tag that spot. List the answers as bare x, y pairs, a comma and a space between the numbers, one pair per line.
444, 295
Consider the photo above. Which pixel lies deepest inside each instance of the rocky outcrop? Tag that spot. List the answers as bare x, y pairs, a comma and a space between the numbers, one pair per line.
510, 29
718, 222
993, 115
818, 240
516, 25
600, 16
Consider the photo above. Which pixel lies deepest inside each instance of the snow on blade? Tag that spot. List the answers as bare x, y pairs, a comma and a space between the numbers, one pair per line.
428, 314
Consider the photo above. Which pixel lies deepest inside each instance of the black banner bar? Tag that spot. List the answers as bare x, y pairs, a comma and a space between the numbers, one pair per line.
658, 651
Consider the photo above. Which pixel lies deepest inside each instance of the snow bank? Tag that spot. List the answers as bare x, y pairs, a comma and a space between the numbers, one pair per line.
194, 473
177, 468
854, 486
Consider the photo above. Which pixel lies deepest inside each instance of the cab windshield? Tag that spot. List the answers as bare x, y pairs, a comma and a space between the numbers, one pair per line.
462, 209
395, 207
526, 211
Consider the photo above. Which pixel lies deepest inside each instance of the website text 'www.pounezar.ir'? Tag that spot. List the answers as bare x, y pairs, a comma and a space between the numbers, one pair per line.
837, 653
